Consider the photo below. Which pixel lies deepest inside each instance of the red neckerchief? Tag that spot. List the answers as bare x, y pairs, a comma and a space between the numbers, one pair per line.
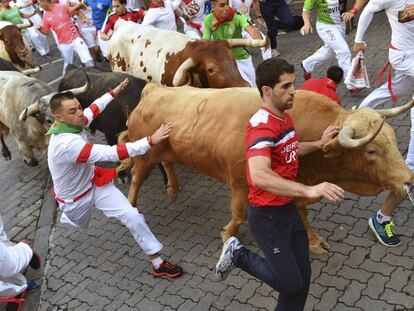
228, 19
154, 6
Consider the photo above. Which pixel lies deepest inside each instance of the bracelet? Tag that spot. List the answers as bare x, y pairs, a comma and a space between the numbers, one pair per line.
354, 11
150, 141
111, 91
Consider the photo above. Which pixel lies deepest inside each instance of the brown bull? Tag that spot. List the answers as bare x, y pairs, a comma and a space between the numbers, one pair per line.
208, 136
12, 46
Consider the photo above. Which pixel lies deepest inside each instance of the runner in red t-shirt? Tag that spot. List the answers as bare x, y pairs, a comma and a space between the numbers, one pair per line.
272, 164
326, 86
120, 11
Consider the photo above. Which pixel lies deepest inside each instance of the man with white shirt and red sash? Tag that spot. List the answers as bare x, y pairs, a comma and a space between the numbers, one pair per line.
193, 12
400, 15
79, 185
161, 15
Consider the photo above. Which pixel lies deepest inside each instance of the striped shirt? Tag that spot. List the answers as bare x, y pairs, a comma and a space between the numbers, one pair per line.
274, 137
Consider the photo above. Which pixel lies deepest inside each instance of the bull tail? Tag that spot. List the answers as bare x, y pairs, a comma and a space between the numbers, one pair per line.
127, 163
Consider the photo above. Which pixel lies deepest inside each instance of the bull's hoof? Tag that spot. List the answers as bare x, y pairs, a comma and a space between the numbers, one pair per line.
32, 162
172, 191
319, 246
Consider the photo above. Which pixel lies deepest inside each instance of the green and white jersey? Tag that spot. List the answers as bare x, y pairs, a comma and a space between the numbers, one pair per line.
327, 11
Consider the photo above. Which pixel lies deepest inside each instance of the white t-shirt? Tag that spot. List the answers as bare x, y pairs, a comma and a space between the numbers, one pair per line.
240, 4
27, 10
87, 12
134, 4
193, 8
402, 32
162, 17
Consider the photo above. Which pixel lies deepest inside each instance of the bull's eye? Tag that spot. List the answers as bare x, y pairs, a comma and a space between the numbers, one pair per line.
210, 70
371, 151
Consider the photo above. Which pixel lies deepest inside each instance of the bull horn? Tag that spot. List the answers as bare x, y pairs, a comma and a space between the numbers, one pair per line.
181, 73
393, 112
82, 89
75, 91
346, 140
24, 25
255, 43
32, 109
30, 71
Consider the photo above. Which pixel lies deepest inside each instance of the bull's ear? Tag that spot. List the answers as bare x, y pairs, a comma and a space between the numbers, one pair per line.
1, 35
332, 149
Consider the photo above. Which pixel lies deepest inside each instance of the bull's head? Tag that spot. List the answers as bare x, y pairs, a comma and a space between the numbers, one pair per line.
41, 108
19, 53
370, 148
211, 63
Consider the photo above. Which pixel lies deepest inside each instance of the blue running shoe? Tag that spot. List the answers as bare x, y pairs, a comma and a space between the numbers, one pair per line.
384, 232
31, 286
225, 263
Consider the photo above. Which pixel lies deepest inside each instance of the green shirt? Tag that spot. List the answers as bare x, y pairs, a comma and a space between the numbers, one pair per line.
11, 15
227, 30
327, 11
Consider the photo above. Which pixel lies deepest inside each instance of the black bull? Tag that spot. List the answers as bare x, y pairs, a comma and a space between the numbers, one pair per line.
113, 119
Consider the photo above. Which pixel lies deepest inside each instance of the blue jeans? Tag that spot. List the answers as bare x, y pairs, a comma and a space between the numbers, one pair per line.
281, 236
271, 8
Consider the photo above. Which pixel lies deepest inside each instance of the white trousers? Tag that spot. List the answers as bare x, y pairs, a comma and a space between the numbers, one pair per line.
402, 84
13, 259
247, 71
38, 39
79, 46
111, 201
89, 35
333, 37
192, 32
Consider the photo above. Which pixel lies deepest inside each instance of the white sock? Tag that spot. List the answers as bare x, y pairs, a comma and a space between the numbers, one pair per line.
382, 218
157, 262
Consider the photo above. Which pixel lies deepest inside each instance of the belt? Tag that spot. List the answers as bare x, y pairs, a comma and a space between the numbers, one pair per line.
74, 199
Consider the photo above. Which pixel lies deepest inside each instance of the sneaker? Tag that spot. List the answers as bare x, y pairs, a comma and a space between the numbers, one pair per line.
384, 232
35, 261
306, 75
355, 90
167, 269
275, 53
31, 286
225, 263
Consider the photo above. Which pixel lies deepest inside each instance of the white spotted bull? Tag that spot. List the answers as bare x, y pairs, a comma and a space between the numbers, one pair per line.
174, 59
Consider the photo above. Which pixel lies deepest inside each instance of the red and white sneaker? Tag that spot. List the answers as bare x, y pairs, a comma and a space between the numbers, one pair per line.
167, 269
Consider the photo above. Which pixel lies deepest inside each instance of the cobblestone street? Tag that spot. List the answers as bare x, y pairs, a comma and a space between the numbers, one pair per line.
102, 268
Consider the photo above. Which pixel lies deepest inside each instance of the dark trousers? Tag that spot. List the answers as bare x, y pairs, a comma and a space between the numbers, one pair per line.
281, 236
271, 8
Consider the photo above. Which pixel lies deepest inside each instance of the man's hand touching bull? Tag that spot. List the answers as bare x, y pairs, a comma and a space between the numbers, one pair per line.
160, 134
308, 147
